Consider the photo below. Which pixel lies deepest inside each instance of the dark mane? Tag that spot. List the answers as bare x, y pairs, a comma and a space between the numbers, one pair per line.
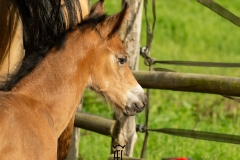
43, 21
31, 60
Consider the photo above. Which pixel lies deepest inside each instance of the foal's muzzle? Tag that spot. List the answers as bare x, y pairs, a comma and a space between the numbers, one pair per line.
136, 103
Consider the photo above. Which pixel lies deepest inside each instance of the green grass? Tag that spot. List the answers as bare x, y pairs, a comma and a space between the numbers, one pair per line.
185, 30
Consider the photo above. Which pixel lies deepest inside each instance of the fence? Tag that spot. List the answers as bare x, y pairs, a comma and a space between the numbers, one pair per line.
171, 81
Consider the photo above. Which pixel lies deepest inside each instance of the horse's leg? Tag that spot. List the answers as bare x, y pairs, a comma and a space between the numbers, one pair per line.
73, 151
64, 141
65, 149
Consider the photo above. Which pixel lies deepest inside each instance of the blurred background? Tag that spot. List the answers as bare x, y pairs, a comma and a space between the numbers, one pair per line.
185, 30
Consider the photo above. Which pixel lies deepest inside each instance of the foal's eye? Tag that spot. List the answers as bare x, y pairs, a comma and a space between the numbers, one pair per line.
122, 60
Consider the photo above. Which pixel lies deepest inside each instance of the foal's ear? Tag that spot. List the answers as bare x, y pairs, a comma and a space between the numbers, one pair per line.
111, 25
97, 9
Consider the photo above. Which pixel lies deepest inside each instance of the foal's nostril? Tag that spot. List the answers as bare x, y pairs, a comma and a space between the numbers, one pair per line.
137, 108
136, 102
144, 105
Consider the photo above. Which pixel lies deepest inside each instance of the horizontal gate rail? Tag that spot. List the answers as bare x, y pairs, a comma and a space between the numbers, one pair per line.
101, 125
223, 12
229, 86
109, 127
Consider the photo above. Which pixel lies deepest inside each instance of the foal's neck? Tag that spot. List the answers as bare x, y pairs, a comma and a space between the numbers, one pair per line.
57, 83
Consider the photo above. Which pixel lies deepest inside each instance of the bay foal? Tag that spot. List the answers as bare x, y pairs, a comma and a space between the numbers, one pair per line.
38, 102
19, 36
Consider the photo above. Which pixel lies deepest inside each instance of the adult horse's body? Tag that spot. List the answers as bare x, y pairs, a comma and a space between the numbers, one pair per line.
14, 46
36, 107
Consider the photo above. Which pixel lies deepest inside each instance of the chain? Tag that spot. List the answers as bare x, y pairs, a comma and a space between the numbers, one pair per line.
144, 52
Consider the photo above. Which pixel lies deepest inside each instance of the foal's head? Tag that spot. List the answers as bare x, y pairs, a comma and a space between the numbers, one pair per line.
110, 74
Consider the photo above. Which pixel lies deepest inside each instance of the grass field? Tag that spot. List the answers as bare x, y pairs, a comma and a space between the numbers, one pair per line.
185, 30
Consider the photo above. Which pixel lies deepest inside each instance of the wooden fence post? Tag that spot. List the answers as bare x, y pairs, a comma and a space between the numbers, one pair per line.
130, 34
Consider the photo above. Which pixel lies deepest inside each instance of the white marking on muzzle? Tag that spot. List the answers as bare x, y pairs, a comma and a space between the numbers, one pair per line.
136, 100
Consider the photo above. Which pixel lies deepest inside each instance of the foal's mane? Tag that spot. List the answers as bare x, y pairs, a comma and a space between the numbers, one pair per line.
32, 59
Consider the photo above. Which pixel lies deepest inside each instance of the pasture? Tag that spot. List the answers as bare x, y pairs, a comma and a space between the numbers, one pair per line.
185, 30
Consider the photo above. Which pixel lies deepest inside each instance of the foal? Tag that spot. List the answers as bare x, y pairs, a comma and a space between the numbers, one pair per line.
36, 107
14, 44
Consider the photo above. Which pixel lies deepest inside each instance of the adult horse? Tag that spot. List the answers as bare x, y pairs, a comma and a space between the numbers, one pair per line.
28, 25
37, 103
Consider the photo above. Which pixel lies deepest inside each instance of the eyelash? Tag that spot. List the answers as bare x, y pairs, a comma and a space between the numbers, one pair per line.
122, 60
